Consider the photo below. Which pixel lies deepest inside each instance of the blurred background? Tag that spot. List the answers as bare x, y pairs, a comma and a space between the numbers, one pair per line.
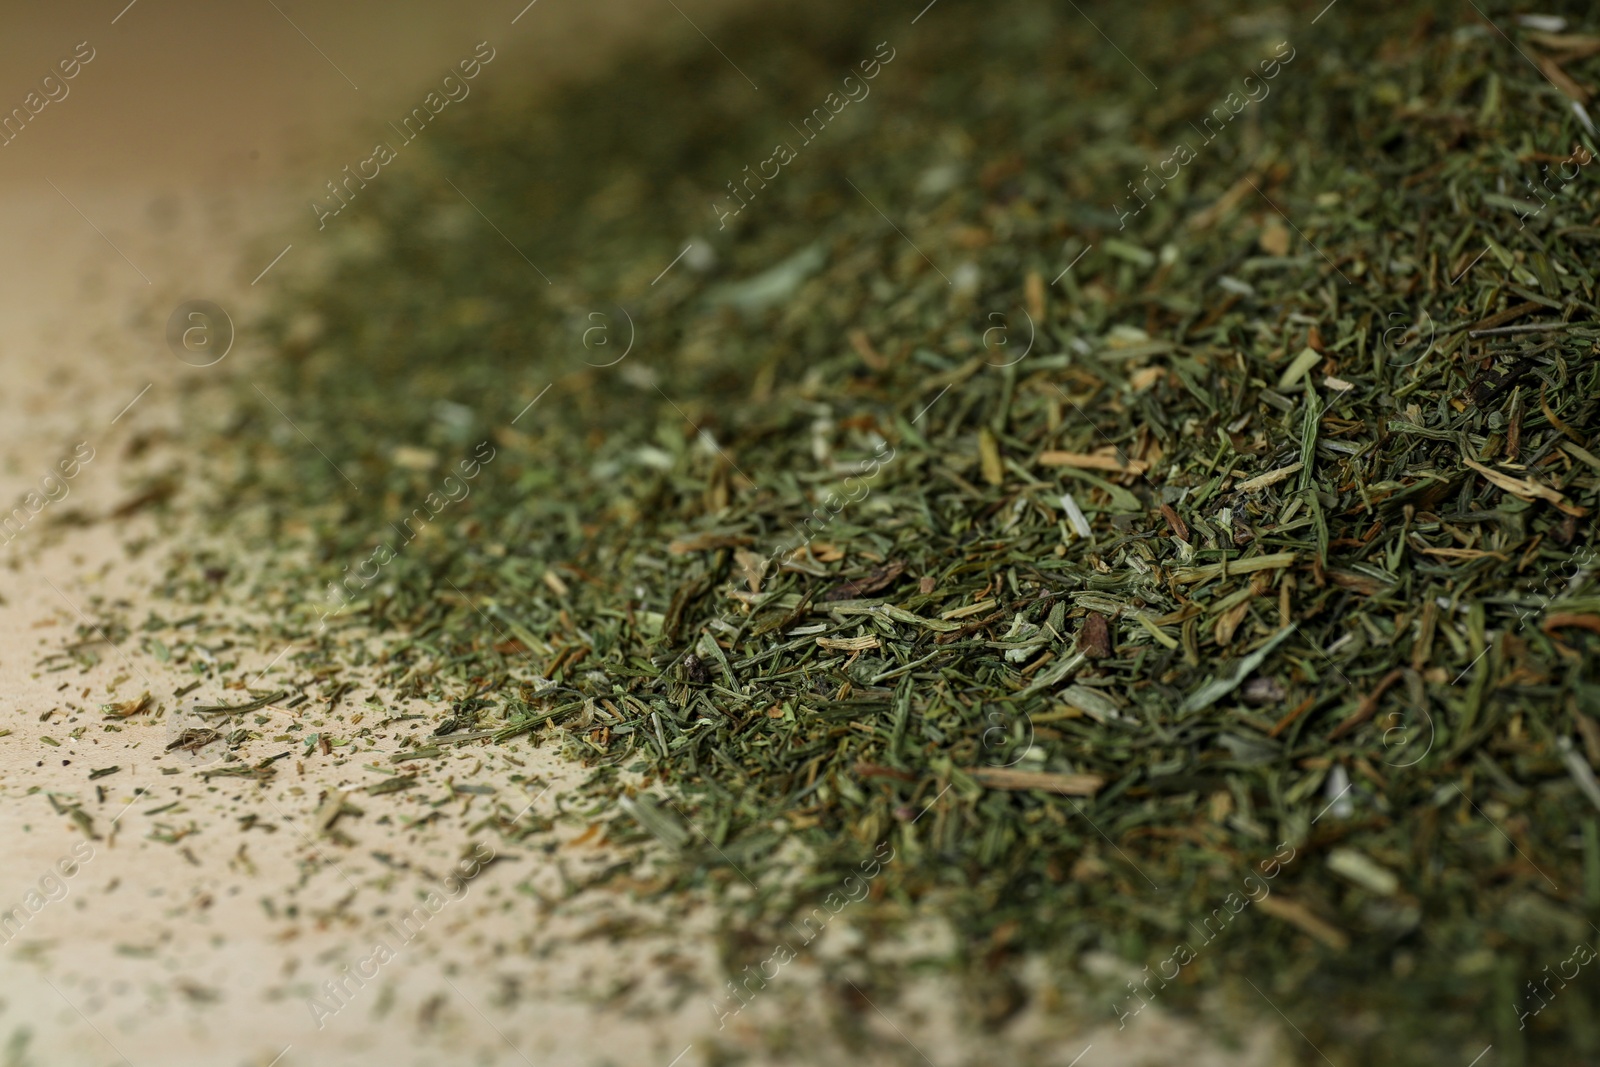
193, 138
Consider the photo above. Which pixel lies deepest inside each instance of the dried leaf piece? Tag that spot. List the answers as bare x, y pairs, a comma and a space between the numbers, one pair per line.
328, 813
1072, 785
1274, 239
825, 552
1093, 461
877, 579
863, 346
873, 770
1218, 688
1364, 871
127, 708
849, 644
1292, 911
1277, 560
1228, 622
1525, 488
1575, 45
1561, 79
1510, 314
752, 566
1076, 517
1562, 620
1308, 358
994, 471
1093, 703
705, 542
1580, 771
240, 709
1179, 529
1590, 731
665, 827
971, 609
1567, 431
193, 740
1033, 293
555, 584
1369, 705
1261, 481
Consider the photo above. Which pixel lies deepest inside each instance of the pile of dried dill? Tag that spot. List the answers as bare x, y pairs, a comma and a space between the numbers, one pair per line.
1101, 473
